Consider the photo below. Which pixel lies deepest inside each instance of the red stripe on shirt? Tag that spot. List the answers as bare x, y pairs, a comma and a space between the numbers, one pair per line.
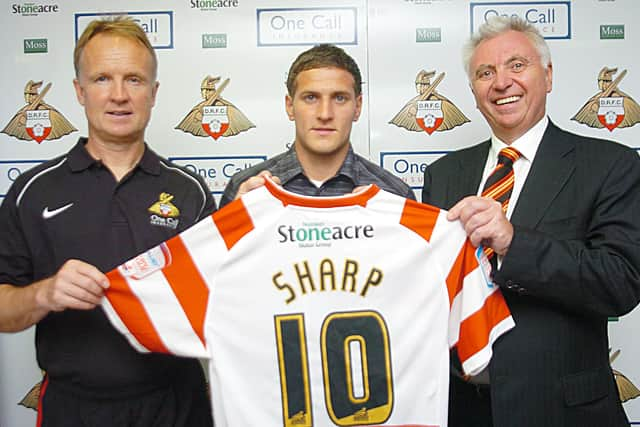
132, 313
476, 329
187, 283
465, 263
233, 222
419, 218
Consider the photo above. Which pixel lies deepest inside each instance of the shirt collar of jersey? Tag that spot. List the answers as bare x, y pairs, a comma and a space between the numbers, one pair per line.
80, 159
294, 168
527, 144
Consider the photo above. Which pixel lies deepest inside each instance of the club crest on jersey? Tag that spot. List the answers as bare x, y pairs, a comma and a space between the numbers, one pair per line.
147, 263
429, 111
37, 121
214, 116
610, 108
164, 213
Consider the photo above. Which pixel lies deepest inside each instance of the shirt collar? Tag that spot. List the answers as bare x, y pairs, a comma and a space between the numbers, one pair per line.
527, 144
294, 169
80, 159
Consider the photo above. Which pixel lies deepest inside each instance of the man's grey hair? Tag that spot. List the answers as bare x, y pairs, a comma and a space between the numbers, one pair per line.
497, 25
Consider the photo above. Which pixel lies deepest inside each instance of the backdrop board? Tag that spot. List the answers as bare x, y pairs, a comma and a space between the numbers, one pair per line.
417, 102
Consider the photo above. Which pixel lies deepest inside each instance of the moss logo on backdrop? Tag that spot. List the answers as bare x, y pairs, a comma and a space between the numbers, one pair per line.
215, 116
38, 120
429, 111
610, 108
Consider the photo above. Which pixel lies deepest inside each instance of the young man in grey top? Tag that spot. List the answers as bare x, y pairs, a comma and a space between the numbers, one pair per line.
324, 99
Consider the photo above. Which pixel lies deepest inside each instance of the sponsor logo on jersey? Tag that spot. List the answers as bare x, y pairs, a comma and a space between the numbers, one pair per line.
37, 121
429, 111
214, 116
312, 234
611, 108
164, 213
147, 263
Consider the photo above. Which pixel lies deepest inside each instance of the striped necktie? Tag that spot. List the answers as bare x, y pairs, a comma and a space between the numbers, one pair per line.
499, 185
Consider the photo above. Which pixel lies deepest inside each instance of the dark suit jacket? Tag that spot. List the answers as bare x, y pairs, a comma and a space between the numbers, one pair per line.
574, 261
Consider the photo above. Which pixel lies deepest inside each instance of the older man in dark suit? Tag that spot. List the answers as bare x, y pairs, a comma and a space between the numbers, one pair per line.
566, 242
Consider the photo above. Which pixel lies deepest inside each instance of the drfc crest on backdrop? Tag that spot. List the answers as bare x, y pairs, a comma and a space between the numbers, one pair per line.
214, 116
610, 108
37, 120
429, 111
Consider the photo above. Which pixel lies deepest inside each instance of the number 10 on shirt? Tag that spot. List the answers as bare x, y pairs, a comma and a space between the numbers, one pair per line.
356, 368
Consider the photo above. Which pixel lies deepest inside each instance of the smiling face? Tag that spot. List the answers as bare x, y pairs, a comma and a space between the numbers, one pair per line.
510, 84
117, 87
324, 107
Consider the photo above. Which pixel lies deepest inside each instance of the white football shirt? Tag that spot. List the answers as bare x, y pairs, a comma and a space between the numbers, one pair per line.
316, 311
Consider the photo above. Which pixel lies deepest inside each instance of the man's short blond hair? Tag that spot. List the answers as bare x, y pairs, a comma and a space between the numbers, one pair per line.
120, 25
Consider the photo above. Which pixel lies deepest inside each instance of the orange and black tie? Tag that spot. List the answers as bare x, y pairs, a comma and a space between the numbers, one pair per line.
499, 185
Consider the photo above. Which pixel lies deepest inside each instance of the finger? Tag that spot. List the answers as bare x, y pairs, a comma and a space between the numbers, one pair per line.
61, 294
459, 208
86, 270
95, 276
88, 293
267, 174
249, 185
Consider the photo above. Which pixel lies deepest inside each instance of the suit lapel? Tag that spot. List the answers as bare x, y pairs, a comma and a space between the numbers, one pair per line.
553, 165
469, 172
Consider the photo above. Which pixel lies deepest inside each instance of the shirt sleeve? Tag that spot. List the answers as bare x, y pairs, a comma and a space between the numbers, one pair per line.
479, 313
16, 266
159, 299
